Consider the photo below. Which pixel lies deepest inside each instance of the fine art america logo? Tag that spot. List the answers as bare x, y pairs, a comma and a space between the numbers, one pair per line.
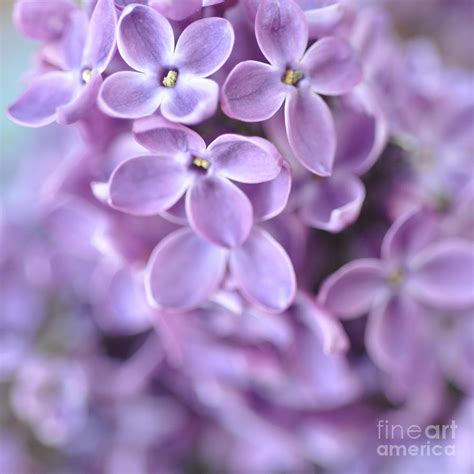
416, 440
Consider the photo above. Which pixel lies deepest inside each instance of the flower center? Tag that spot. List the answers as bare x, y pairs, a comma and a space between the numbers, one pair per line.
86, 75
170, 79
292, 77
396, 277
201, 163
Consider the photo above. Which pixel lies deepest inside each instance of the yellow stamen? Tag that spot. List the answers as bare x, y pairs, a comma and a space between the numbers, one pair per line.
86, 75
201, 163
396, 277
170, 79
292, 77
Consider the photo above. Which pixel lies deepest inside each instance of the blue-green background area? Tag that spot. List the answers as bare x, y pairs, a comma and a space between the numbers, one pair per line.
16, 56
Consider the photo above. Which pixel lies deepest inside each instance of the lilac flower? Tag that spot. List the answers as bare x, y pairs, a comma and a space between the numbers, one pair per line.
417, 271
67, 95
254, 91
165, 76
259, 268
181, 164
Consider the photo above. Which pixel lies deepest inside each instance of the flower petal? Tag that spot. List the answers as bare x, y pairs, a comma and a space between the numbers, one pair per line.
332, 66
281, 30
361, 130
145, 38
311, 131
37, 106
253, 92
100, 41
333, 203
44, 21
147, 185
183, 271
269, 198
129, 94
245, 159
74, 40
329, 330
162, 136
322, 20
84, 101
177, 212
353, 289
191, 101
176, 10
204, 46
219, 211
443, 274
409, 234
391, 333
263, 272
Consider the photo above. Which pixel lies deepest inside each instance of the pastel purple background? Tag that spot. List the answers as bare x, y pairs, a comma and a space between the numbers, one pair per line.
139, 334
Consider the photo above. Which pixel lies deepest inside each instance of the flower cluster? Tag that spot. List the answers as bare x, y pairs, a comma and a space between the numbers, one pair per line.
249, 238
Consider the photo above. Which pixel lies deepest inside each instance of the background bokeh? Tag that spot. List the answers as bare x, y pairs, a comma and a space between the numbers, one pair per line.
88, 384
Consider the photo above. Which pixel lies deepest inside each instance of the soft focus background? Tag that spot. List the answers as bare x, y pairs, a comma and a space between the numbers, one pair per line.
16, 56
79, 396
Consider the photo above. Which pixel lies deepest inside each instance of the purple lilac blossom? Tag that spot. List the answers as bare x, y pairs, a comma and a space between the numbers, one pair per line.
182, 164
416, 269
166, 76
254, 91
68, 93
190, 298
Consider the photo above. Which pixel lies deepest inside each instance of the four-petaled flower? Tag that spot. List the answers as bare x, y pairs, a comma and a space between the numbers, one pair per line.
67, 95
254, 91
216, 208
165, 76
417, 270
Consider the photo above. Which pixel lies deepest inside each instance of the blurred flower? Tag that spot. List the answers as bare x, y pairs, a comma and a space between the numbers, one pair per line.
67, 94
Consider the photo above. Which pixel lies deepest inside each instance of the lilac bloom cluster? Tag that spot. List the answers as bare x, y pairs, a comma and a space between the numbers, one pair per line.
247, 244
